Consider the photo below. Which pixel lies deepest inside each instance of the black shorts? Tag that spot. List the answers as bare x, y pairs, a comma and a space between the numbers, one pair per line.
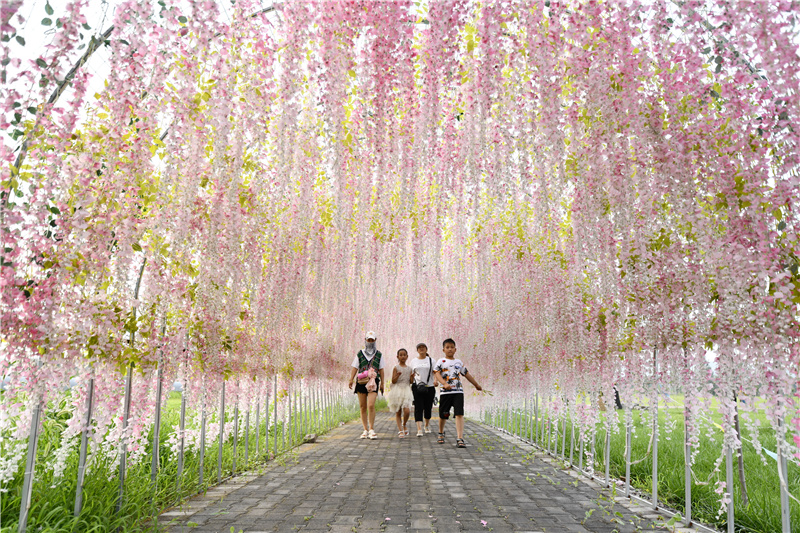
363, 388
455, 400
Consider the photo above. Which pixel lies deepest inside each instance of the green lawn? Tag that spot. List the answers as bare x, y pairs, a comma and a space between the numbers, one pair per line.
53, 499
762, 514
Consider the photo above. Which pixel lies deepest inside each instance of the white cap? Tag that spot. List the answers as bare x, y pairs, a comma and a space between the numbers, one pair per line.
371, 335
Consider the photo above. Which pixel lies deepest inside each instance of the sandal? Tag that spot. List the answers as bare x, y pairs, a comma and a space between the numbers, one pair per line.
440, 440
401, 434
460, 443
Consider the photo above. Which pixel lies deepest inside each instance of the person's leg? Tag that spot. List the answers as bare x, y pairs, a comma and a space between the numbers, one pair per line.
362, 402
397, 419
430, 394
419, 406
444, 413
371, 397
458, 412
406, 414
460, 426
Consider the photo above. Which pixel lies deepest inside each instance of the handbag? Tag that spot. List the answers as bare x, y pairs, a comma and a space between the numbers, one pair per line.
420, 388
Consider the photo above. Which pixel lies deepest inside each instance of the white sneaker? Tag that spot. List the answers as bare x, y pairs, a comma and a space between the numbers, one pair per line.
419, 433
364, 435
372, 435
427, 429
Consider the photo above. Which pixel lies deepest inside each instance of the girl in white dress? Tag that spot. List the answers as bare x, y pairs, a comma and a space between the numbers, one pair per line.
399, 396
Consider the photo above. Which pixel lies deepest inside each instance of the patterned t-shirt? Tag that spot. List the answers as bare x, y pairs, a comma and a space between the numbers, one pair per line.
451, 371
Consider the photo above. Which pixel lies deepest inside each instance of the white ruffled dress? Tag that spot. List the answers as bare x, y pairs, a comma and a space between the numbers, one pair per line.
400, 396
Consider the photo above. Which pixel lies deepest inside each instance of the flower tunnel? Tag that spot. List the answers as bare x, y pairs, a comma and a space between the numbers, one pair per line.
595, 199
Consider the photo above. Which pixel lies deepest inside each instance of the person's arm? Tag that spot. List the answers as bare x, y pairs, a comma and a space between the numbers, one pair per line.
382, 382
472, 380
395, 375
353, 371
437, 376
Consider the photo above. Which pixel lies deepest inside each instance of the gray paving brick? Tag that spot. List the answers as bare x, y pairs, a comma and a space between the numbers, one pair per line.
343, 484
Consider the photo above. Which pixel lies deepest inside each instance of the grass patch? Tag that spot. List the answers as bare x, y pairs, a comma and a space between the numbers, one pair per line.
53, 499
762, 514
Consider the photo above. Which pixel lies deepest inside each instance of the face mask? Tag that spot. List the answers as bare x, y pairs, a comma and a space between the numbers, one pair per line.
370, 346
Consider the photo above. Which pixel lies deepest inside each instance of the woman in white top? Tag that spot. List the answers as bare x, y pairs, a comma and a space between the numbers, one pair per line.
423, 388
364, 359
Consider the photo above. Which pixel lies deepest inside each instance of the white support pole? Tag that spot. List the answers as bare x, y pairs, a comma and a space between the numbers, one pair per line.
301, 415
786, 523
127, 402
182, 442
258, 426
246, 437
85, 432
275, 412
157, 421
523, 419
235, 435
317, 410
628, 444
201, 467
221, 432
157, 427
123, 448
266, 423
30, 461
687, 470
729, 485
571, 438
608, 453
655, 429
288, 421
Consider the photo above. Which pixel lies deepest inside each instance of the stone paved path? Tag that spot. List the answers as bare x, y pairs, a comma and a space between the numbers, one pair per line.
343, 484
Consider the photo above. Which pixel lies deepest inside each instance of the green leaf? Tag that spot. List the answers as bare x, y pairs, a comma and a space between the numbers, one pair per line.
41, 62
86, 26
48, 8
182, 19
47, 22
32, 110
55, 210
136, 246
21, 40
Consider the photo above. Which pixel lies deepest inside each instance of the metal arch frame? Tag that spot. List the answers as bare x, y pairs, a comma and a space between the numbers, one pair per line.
94, 45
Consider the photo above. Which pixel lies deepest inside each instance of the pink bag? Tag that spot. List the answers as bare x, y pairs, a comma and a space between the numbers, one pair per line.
367, 377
